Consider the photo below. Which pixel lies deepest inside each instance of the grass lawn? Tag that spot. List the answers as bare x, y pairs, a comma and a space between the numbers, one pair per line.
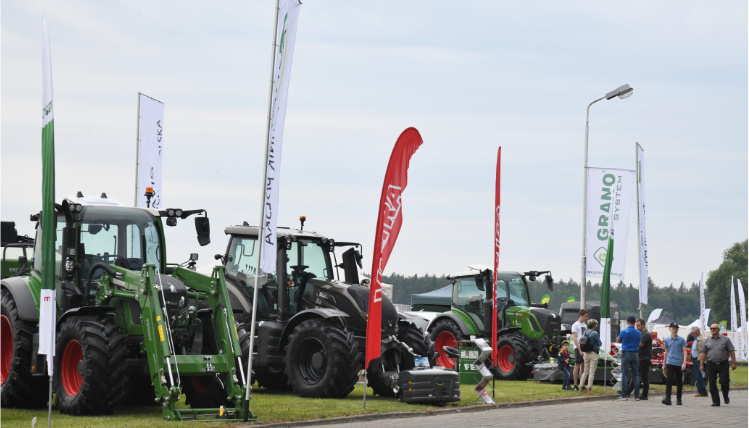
274, 407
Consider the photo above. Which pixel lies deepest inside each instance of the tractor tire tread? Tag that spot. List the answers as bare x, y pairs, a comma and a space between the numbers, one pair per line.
20, 388
104, 350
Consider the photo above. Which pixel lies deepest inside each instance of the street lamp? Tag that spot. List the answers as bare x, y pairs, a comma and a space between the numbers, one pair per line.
624, 91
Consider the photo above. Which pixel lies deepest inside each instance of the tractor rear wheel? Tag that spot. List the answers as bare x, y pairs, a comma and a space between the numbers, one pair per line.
18, 388
322, 359
89, 365
446, 333
513, 352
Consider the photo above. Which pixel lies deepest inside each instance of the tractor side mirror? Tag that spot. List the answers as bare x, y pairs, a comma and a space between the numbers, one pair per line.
484, 277
549, 282
479, 282
203, 228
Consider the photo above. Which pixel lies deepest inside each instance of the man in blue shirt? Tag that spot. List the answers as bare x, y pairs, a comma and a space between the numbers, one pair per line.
674, 363
630, 340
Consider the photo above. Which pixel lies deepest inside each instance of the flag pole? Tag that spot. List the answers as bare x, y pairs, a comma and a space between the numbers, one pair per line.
248, 385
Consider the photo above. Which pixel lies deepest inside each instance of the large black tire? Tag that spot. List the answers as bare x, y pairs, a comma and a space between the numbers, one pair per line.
382, 370
270, 378
418, 340
18, 388
446, 333
394, 360
322, 359
513, 354
89, 365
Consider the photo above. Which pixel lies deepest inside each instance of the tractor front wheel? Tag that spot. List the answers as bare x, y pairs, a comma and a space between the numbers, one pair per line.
89, 365
392, 361
513, 352
446, 333
18, 388
322, 359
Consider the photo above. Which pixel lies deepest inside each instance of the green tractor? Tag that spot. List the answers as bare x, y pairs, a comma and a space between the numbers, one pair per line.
311, 324
526, 332
130, 327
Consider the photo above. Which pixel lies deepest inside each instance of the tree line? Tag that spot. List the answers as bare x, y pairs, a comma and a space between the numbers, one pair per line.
682, 302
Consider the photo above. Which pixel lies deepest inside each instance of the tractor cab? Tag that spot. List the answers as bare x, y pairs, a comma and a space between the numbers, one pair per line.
93, 233
301, 256
472, 297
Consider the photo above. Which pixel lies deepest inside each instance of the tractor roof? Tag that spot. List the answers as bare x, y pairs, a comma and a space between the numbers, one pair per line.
280, 231
476, 269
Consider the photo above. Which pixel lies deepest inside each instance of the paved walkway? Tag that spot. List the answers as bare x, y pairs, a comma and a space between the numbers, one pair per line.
694, 412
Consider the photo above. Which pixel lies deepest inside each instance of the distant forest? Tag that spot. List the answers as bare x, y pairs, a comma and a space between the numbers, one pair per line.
681, 303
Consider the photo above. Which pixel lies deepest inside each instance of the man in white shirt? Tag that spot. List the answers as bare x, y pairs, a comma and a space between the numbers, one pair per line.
578, 328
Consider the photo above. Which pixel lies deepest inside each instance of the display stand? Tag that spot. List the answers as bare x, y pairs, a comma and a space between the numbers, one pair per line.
475, 366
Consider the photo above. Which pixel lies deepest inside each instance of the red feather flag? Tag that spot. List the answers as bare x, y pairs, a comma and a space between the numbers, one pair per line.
389, 222
496, 259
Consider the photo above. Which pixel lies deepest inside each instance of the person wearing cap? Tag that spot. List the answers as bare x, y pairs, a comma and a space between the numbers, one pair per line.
697, 339
674, 363
630, 340
714, 357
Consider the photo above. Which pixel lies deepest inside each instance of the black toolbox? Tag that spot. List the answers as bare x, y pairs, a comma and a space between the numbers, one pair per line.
429, 386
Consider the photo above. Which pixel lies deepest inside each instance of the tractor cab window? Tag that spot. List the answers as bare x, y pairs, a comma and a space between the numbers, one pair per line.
469, 298
515, 286
241, 259
122, 237
241, 262
309, 256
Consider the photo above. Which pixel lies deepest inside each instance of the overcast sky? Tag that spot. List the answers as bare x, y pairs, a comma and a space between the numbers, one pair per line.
469, 76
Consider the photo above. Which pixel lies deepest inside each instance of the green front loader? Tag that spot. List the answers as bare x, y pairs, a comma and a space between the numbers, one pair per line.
130, 328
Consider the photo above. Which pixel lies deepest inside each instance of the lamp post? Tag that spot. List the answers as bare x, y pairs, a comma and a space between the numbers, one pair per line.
624, 91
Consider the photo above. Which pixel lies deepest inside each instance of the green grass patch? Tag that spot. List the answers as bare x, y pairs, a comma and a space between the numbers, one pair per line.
275, 407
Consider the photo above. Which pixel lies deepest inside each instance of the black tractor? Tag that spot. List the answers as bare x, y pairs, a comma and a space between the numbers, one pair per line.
311, 324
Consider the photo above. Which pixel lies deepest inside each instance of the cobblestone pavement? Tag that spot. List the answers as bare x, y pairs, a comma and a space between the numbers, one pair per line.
694, 412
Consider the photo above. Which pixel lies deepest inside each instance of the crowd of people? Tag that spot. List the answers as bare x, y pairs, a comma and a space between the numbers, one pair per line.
709, 355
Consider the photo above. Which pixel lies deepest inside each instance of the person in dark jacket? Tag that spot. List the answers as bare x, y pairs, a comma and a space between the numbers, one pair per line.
563, 362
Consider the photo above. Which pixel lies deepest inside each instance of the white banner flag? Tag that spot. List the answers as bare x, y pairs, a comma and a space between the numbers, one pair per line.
703, 320
733, 307
288, 16
742, 305
47, 300
150, 152
609, 202
641, 221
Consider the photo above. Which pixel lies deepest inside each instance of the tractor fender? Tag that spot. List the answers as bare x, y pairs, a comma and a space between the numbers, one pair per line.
84, 310
304, 316
21, 293
456, 319
507, 330
420, 322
